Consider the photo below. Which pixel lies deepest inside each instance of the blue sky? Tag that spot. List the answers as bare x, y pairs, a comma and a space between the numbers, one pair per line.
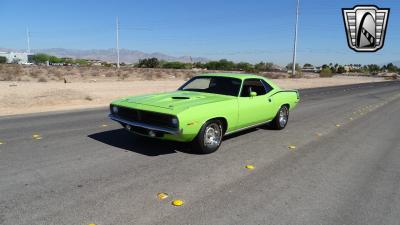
251, 30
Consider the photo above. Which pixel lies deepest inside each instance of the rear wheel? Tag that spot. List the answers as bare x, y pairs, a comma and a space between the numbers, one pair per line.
281, 118
209, 138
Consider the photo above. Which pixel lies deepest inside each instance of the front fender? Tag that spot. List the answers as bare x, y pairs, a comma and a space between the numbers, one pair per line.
192, 119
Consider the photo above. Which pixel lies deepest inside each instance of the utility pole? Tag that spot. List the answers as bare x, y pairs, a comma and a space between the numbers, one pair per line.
28, 40
117, 23
295, 39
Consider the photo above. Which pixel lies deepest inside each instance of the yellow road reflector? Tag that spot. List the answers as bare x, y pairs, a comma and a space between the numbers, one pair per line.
1, 142
162, 196
351, 118
250, 167
177, 202
104, 125
36, 136
337, 125
292, 147
91, 224
318, 134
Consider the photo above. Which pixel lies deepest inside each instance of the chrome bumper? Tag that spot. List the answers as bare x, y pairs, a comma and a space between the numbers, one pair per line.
144, 125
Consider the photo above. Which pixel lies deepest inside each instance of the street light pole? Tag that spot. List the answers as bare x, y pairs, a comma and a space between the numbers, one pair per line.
28, 40
117, 27
295, 40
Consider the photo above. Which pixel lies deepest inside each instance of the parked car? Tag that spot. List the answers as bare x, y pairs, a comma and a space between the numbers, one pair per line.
206, 108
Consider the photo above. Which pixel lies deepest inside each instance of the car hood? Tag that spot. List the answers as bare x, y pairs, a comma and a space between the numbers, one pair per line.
177, 100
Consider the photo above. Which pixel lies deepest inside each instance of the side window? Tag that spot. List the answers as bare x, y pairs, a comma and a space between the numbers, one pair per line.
267, 86
250, 85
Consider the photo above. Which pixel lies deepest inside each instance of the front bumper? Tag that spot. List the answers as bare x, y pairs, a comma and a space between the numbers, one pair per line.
166, 130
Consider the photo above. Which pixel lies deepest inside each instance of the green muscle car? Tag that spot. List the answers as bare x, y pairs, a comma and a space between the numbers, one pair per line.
206, 108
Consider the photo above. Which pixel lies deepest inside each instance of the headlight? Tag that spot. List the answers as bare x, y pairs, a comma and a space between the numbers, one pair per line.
174, 122
115, 109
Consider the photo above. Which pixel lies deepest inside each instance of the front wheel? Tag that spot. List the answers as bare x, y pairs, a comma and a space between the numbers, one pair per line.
281, 118
209, 138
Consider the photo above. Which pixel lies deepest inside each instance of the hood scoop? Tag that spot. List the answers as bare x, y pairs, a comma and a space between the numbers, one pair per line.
180, 97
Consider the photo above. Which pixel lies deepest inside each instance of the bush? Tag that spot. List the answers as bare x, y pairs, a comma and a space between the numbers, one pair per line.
174, 65
42, 79
341, 70
244, 66
261, 66
148, 63
40, 58
3, 59
222, 64
326, 72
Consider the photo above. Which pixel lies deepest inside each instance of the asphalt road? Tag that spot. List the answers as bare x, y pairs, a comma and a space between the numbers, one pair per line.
345, 168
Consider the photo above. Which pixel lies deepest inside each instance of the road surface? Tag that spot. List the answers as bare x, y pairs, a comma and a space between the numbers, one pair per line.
344, 169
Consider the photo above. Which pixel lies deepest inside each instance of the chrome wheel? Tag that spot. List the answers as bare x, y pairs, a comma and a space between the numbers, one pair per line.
212, 135
283, 116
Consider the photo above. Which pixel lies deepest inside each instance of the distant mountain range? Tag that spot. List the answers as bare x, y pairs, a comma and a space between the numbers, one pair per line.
110, 55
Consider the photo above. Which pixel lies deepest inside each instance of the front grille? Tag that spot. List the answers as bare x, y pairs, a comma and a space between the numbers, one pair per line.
151, 118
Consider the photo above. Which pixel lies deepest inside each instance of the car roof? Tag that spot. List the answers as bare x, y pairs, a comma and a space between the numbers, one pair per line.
232, 75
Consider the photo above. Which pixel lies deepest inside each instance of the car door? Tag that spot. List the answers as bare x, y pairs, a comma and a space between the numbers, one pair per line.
256, 109
273, 105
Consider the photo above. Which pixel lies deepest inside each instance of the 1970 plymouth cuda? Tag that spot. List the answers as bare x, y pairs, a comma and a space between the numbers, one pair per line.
206, 108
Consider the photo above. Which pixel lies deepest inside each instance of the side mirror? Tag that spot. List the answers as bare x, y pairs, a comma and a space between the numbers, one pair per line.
253, 94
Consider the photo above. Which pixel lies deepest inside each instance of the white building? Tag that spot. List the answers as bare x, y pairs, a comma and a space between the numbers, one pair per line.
17, 57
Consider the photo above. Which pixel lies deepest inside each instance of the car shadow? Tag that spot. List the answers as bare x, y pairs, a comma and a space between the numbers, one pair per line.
251, 130
122, 139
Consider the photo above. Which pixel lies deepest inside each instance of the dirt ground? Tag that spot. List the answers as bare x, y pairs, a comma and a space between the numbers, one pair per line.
18, 97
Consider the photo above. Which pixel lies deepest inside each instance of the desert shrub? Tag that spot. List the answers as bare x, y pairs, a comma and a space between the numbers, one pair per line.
149, 63
148, 76
42, 79
244, 66
14, 69
222, 64
3, 59
6, 77
94, 73
188, 76
157, 74
326, 72
88, 98
175, 65
24, 78
341, 69
124, 75
34, 73
110, 74
55, 72
298, 74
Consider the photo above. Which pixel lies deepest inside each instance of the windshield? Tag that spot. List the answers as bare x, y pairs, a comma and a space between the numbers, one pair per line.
215, 85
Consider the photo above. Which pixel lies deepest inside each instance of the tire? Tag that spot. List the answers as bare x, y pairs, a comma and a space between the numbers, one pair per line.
209, 137
281, 119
